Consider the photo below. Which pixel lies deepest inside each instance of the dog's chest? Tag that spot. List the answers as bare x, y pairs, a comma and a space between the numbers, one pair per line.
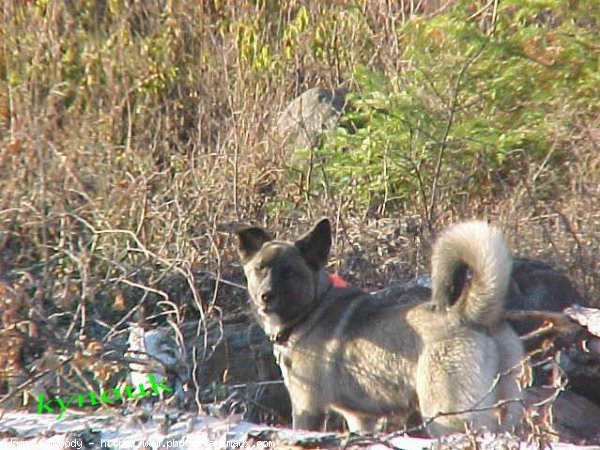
283, 357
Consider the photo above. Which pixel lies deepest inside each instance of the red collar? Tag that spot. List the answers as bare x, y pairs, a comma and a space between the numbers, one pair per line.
337, 281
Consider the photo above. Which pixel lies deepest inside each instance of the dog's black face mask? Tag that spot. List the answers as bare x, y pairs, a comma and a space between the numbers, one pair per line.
281, 285
282, 276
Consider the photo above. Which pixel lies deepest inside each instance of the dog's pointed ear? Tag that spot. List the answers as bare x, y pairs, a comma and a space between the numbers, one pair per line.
315, 245
250, 241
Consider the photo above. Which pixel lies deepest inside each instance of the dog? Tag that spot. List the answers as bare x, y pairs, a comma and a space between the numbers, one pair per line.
446, 352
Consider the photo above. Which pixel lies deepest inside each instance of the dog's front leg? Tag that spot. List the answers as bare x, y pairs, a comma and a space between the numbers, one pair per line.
308, 420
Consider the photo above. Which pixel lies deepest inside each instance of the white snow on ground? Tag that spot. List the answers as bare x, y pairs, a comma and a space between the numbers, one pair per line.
195, 432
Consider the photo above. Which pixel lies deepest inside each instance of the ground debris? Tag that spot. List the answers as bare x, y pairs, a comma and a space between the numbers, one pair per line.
78, 430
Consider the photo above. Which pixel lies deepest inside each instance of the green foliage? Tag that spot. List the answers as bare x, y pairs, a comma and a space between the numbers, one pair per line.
488, 99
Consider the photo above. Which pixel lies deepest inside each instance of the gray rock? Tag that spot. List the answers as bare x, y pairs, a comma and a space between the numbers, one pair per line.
301, 123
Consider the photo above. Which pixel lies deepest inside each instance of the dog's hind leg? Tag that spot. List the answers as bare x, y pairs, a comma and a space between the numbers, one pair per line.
308, 420
455, 383
510, 350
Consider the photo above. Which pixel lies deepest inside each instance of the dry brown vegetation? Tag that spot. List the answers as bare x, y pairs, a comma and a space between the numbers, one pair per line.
135, 135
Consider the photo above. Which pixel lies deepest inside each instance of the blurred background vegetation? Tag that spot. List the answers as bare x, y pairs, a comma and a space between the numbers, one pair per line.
136, 135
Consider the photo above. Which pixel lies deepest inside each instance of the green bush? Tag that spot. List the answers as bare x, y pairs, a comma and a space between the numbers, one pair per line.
489, 96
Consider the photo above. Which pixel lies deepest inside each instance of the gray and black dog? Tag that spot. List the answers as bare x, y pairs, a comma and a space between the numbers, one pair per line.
446, 352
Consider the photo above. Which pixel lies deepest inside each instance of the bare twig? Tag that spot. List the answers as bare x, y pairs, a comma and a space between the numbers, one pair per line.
449, 123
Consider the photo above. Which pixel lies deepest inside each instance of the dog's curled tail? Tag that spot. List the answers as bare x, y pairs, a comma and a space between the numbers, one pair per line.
480, 250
